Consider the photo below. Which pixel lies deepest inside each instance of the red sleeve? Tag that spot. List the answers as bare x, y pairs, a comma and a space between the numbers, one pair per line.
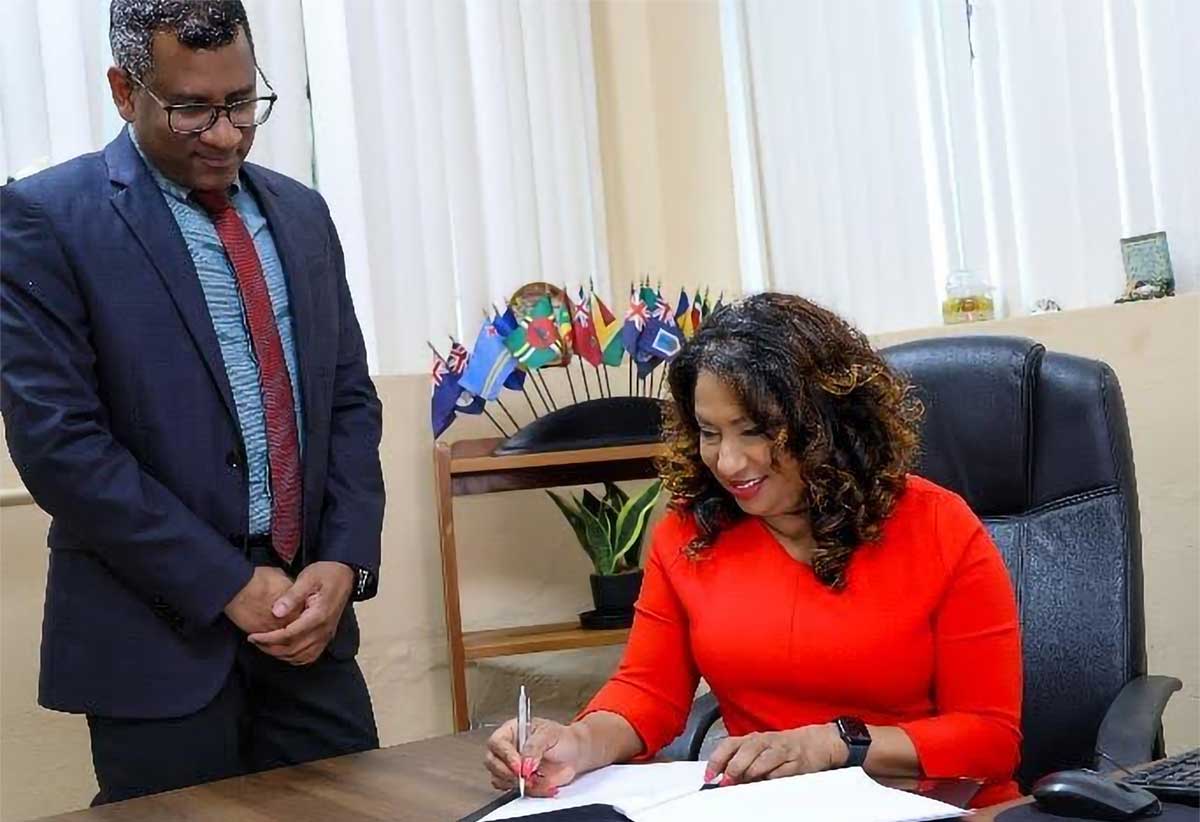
977, 645
656, 681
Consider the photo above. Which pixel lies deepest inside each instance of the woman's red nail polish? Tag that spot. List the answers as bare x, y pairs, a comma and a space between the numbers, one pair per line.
727, 781
709, 776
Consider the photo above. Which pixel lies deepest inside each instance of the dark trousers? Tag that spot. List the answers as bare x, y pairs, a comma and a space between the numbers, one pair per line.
267, 714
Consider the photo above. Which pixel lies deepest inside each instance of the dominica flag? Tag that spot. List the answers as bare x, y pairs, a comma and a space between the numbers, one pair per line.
535, 341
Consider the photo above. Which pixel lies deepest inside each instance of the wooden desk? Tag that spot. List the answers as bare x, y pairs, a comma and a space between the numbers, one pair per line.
434, 780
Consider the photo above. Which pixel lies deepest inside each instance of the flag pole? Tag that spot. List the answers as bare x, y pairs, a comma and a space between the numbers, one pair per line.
493, 419
529, 400
511, 419
607, 379
571, 382
538, 389
583, 376
650, 389
599, 385
543, 391
546, 386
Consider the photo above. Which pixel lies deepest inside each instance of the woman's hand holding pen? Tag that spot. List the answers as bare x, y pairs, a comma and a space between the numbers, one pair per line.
551, 757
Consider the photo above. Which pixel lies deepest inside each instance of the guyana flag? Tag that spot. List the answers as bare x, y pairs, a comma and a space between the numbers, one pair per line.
608, 332
535, 341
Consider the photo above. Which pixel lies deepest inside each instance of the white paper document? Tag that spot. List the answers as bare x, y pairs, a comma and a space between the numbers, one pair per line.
628, 788
670, 792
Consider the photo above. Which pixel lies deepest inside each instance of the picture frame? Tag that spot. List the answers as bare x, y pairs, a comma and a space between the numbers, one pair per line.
1148, 273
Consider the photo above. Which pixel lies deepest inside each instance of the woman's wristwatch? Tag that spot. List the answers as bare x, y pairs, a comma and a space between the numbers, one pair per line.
854, 733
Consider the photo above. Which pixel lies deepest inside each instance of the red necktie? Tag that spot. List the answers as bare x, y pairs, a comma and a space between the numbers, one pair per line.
283, 444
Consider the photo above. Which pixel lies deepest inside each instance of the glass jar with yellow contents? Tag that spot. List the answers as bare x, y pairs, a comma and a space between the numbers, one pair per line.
968, 298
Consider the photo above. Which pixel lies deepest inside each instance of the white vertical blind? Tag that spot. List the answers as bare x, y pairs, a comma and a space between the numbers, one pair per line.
456, 142
474, 125
843, 116
55, 102
888, 155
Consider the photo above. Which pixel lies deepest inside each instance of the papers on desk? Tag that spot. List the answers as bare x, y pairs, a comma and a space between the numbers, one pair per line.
670, 792
628, 788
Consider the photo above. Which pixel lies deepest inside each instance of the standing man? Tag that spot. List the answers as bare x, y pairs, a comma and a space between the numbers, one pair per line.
185, 391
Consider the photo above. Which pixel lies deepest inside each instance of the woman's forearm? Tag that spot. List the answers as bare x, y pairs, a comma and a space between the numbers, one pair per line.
604, 738
891, 753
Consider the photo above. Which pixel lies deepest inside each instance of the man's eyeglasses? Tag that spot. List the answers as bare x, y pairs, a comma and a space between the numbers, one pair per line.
197, 118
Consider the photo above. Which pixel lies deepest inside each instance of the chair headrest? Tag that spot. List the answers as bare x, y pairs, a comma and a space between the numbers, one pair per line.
977, 431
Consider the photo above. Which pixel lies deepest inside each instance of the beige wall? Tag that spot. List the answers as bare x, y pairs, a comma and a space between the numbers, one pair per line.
664, 144
670, 212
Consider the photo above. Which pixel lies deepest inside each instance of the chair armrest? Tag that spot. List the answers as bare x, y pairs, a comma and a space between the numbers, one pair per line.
1131, 732
705, 712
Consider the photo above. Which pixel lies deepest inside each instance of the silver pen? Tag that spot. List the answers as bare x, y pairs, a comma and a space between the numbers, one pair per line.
523, 718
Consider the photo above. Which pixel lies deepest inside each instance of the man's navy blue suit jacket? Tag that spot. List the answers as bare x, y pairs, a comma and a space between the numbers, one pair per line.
121, 423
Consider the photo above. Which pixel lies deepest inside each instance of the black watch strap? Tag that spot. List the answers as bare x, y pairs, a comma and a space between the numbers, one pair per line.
857, 738
365, 584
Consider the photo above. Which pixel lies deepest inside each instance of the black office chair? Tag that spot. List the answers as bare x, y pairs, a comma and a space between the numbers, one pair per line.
1038, 445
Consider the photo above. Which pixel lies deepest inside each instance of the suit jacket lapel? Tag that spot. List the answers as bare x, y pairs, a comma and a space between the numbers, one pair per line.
140, 203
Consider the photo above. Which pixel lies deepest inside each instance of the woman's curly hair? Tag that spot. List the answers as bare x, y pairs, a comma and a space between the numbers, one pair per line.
815, 386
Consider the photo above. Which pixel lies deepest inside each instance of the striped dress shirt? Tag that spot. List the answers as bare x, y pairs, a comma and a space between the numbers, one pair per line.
219, 284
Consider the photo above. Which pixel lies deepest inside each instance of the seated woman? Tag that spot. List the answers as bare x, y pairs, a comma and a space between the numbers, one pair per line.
842, 610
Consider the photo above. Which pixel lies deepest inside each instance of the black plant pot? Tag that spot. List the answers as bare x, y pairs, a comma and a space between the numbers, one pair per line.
613, 596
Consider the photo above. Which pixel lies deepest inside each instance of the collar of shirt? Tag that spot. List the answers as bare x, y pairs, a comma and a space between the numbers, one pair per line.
166, 184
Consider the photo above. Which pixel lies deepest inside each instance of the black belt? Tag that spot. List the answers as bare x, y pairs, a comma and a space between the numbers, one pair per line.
251, 540
257, 548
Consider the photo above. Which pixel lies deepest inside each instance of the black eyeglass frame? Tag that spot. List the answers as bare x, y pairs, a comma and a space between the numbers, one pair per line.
215, 109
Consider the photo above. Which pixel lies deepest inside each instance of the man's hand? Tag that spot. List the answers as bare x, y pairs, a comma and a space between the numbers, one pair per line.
250, 609
310, 610
774, 754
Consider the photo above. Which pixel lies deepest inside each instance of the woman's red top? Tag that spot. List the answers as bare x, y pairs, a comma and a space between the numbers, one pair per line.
923, 636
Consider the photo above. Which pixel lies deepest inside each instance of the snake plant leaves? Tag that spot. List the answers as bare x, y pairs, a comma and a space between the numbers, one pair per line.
632, 521
572, 515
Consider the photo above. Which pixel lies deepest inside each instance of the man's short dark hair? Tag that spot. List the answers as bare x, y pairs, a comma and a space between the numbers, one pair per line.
197, 24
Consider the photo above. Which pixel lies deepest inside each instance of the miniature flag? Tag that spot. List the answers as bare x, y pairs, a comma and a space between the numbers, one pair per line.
490, 365
446, 393
535, 341
635, 322
505, 324
608, 332
683, 315
583, 336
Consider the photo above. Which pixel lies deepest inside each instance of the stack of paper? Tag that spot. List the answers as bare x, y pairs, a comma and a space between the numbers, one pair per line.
670, 792
628, 788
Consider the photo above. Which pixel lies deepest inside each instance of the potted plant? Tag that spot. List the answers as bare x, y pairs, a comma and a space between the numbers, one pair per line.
610, 530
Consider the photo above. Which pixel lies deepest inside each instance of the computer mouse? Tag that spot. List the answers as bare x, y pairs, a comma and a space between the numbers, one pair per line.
1085, 794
